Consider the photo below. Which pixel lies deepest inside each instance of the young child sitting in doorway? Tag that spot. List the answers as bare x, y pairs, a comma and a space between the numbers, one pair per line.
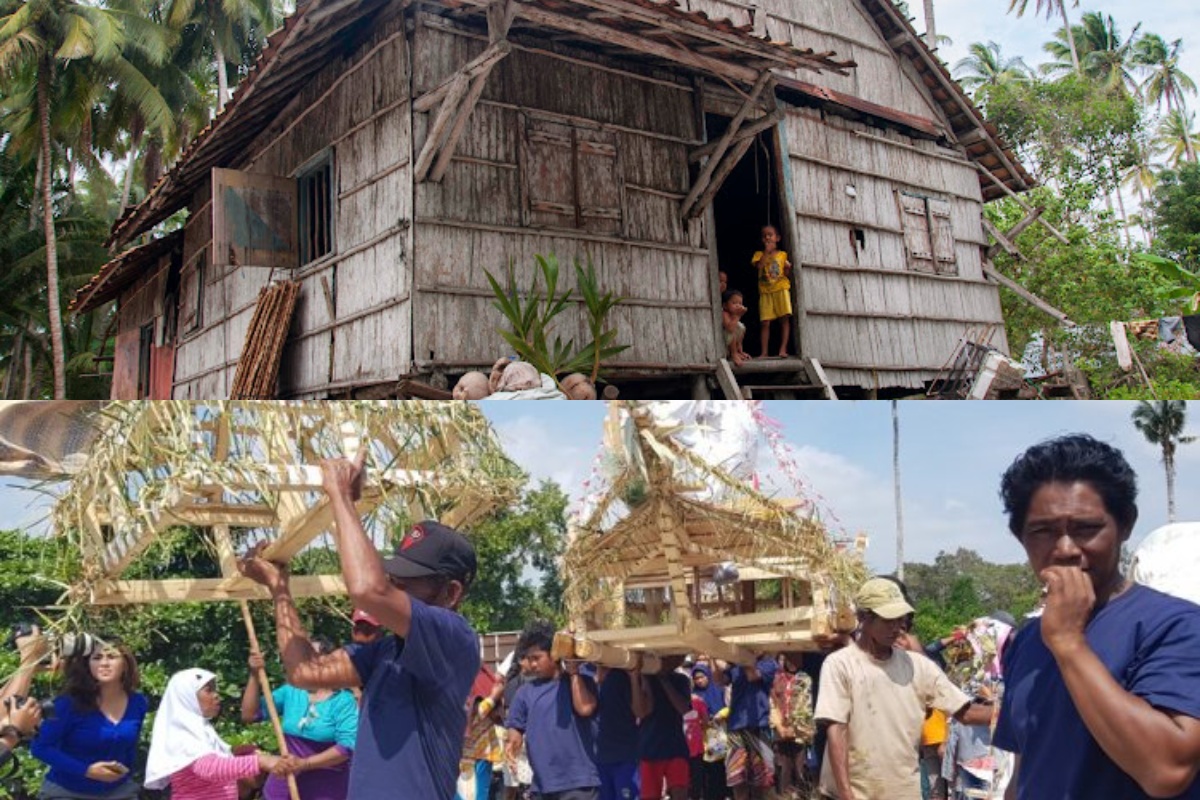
732, 310
774, 290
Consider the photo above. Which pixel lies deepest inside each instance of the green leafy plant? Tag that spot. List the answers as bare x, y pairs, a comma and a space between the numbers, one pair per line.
1185, 285
531, 316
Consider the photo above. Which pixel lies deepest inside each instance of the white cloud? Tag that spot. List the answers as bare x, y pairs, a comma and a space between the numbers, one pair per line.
546, 454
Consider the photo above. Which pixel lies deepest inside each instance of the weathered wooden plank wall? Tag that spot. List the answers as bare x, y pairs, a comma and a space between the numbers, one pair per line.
844, 27
870, 318
631, 132
352, 323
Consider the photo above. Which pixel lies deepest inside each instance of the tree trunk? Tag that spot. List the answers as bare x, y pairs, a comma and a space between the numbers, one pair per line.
1062, 6
10, 377
127, 189
1141, 192
930, 26
1124, 216
1169, 466
896, 491
45, 68
222, 79
27, 381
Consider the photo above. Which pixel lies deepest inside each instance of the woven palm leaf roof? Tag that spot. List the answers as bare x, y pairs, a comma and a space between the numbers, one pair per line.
665, 509
253, 468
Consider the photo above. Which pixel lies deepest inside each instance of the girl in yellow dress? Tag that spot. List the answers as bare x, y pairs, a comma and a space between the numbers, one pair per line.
774, 290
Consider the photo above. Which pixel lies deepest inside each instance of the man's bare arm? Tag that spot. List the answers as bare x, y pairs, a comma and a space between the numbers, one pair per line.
839, 755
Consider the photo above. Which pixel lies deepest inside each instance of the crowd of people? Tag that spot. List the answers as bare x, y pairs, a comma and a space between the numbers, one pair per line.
1093, 698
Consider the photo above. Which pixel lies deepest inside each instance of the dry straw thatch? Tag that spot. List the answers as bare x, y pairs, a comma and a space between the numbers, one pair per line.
252, 468
668, 518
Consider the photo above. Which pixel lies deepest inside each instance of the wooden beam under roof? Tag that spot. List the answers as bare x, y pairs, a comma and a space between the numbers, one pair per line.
191, 590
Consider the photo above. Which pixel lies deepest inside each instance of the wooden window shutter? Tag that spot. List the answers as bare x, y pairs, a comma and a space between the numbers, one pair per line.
254, 221
598, 182
941, 229
917, 241
549, 174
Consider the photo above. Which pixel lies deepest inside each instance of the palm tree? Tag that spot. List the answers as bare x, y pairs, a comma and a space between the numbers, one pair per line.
227, 26
1049, 7
1162, 422
38, 40
987, 67
1160, 64
1104, 57
1176, 139
896, 491
1141, 178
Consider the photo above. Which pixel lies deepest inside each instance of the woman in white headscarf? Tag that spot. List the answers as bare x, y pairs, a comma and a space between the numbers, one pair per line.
187, 754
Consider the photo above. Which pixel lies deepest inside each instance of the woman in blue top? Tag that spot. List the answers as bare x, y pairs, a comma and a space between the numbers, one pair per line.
320, 727
91, 742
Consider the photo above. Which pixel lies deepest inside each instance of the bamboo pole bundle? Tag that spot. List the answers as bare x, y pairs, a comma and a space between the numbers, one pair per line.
258, 365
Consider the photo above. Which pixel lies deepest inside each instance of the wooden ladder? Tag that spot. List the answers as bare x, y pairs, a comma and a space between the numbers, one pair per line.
775, 379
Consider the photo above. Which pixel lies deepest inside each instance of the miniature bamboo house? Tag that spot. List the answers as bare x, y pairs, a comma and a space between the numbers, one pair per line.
648, 567
242, 472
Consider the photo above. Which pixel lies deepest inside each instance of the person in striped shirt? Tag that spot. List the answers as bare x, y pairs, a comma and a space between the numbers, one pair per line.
187, 754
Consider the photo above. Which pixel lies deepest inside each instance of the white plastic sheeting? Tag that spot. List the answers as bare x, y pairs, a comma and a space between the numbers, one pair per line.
1169, 560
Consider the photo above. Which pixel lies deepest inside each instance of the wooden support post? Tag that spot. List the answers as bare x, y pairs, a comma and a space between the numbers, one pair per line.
1015, 231
264, 686
1028, 208
753, 129
814, 368
441, 124
723, 143
1002, 241
731, 159
727, 381
1026, 295
460, 121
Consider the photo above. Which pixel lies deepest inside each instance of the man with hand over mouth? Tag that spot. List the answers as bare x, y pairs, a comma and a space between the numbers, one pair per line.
1101, 691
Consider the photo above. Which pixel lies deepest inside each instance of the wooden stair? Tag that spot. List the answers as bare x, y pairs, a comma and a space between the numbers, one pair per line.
775, 379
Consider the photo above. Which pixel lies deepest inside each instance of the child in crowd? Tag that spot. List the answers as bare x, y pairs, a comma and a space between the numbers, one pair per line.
732, 310
708, 776
695, 722
659, 702
774, 290
750, 761
616, 735
794, 726
553, 716
187, 754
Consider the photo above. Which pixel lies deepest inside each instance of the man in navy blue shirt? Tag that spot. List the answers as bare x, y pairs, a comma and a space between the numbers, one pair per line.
750, 760
553, 715
1101, 692
660, 701
415, 683
616, 736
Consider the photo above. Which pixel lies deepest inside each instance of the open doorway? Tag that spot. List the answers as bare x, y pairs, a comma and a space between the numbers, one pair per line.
747, 200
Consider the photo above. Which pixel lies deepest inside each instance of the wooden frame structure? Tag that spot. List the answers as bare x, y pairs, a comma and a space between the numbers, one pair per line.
669, 552
253, 467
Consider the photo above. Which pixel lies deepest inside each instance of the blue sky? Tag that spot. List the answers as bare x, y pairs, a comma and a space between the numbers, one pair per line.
967, 21
952, 455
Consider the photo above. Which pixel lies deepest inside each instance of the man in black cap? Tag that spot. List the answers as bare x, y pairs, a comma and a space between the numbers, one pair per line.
415, 683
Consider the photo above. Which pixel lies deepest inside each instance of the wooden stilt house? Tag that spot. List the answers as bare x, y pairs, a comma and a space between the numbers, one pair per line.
382, 154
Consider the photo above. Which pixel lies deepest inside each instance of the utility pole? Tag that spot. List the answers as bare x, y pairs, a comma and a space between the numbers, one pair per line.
896, 491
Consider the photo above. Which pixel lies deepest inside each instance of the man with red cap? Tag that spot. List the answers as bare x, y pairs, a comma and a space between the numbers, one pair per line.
415, 683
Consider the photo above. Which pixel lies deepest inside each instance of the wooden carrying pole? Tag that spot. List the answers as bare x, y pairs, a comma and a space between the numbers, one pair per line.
265, 687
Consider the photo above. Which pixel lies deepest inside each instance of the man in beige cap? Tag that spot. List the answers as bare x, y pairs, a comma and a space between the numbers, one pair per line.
873, 697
